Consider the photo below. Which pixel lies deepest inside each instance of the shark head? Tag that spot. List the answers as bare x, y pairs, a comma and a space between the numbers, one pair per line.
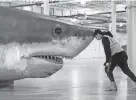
36, 44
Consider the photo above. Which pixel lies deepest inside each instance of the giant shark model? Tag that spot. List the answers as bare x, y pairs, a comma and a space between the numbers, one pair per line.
33, 45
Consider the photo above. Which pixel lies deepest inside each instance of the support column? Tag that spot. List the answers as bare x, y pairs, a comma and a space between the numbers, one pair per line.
110, 27
46, 7
131, 32
113, 12
32, 8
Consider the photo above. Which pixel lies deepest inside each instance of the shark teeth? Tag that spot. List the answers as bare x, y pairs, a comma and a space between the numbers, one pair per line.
57, 59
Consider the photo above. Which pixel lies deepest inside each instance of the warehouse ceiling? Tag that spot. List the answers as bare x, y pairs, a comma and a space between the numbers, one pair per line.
89, 12
93, 12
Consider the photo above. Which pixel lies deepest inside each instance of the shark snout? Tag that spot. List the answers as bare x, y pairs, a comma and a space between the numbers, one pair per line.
80, 35
83, 32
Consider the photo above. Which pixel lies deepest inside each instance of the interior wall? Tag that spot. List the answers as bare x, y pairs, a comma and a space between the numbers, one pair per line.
36, 9
58, 12
94, 50
27, 8
63, 12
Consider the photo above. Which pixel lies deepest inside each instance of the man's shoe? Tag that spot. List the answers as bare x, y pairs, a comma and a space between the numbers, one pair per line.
113, 87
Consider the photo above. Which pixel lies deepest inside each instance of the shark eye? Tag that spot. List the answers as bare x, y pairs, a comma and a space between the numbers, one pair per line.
58, 31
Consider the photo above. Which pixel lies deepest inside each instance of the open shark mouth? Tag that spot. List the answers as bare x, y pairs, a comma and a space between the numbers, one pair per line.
54, 52
51, 58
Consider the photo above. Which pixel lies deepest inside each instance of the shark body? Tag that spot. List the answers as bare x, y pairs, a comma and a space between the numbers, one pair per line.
33, 45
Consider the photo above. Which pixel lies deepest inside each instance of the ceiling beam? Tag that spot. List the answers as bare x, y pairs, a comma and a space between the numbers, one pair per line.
62, 2
29, 4
108, 12
103, 19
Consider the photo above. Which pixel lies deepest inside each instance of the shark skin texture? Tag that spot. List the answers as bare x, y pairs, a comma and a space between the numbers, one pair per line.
34, 45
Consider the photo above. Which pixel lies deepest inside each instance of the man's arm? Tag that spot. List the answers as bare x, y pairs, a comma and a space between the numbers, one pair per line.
107, 50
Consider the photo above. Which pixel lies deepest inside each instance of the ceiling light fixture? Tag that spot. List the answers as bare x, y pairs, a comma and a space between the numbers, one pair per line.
120, 24
82, 2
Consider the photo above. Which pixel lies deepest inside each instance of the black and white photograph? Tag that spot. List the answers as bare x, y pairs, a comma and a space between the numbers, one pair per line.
67, 49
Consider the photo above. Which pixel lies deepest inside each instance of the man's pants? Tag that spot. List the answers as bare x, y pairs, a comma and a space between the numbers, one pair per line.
119, 59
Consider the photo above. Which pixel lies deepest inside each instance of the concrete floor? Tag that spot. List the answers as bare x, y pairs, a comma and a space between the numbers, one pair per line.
77, 80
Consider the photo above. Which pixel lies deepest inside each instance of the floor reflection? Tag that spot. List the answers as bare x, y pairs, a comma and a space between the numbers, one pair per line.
77, 80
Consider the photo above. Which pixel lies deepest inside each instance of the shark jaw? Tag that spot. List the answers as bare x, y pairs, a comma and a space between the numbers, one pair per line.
16, 56
50, 58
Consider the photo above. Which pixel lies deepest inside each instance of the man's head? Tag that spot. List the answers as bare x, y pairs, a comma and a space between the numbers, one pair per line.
98, 34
